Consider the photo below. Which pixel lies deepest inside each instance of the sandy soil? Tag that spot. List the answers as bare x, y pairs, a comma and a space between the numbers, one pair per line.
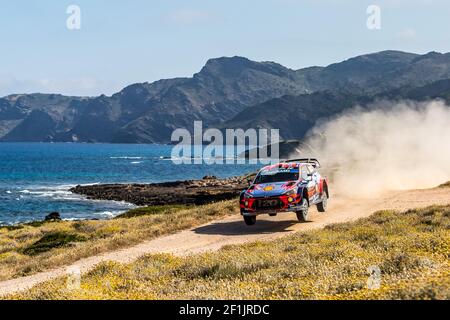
232, 230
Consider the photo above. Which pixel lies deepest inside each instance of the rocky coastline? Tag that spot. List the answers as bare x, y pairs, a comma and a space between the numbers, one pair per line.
190, 192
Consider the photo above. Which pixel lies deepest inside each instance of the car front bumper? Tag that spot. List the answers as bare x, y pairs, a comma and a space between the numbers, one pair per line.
270, 205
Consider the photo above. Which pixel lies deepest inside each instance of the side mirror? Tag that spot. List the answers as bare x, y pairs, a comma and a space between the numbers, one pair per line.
249, 182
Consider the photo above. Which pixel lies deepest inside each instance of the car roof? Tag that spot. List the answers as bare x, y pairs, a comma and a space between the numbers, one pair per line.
285, 165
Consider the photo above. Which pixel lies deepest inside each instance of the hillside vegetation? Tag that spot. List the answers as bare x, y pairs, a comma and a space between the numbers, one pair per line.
445, 185
39, 246
230, 90
410, 249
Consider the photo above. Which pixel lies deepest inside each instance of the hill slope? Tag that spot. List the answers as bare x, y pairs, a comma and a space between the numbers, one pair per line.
296, 115
224, 88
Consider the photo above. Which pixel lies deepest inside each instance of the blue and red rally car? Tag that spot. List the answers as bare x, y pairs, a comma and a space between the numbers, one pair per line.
290, 186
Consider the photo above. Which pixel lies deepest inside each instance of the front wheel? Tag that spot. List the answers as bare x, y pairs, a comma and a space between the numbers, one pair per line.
250, 220
303, 214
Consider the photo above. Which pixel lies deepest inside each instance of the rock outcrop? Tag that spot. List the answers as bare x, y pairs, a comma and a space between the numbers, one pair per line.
197, 192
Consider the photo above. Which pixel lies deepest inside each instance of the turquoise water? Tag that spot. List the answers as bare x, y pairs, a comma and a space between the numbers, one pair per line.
35, 177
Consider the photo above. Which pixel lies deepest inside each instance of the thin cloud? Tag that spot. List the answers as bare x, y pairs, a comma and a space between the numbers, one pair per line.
188, 16
83, 86
406, 34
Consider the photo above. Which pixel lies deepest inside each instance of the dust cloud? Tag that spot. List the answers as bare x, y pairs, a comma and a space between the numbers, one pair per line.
389, 146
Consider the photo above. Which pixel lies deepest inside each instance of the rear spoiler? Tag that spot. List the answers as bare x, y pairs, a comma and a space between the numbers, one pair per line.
315, 163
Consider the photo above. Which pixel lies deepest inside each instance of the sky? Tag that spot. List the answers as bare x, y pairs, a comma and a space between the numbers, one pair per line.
124, 42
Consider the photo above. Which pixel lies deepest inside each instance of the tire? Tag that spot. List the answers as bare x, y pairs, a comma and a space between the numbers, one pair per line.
322, 206
250, 220
303, 215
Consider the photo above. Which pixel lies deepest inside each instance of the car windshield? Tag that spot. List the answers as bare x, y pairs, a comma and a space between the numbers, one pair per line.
276, 176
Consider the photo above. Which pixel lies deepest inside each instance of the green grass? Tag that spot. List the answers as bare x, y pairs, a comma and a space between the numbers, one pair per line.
143, 211
35, 224
34, 247
411, 249
51, 241
12, 228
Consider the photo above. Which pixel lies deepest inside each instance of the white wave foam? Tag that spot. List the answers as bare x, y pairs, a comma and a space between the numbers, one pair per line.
177, 158
127, 158
109, 214
58, 192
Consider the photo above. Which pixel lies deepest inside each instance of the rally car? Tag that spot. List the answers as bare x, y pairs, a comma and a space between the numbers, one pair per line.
289, 186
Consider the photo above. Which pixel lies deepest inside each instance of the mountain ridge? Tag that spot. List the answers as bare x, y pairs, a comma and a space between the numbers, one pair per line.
224, 88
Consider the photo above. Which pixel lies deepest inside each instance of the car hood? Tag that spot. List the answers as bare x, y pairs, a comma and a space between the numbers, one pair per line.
270, 189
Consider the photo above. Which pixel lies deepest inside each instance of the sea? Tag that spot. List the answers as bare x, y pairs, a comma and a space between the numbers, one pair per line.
35, 178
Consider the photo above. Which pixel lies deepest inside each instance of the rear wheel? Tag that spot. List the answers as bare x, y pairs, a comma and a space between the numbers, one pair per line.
303, 214
250, 220
322, 206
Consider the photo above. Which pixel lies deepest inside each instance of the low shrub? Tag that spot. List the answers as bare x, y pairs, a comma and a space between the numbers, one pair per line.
51, 241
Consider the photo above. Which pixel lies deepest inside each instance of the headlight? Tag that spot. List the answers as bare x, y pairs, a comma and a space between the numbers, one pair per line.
290, 192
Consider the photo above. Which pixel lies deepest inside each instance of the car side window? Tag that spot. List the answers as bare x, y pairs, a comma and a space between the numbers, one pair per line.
304, 173
311, 169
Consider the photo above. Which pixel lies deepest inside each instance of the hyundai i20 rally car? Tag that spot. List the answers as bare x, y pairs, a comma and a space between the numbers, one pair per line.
290, 186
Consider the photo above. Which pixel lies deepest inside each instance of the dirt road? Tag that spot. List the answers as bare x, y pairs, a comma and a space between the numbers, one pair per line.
232, 230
